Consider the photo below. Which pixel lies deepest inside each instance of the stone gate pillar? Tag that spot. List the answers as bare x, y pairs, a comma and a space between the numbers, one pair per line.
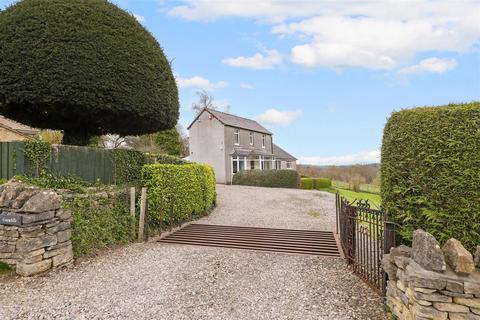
34, 229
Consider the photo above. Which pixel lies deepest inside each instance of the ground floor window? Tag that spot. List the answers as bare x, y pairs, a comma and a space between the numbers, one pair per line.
238, 164
289, 165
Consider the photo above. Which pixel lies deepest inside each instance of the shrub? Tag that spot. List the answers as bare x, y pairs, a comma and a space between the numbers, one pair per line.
168, 159
193, 187
99, 223
127, 165
268, 178
97, 70
321, 183
315, 183
430, 171
307, 183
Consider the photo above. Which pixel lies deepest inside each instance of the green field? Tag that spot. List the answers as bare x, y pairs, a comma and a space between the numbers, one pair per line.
369, 188
374, 199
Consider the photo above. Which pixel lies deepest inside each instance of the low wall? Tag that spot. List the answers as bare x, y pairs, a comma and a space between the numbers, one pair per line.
34, 229
429, 282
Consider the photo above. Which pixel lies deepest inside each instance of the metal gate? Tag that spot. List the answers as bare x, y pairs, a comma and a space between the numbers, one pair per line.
365, 235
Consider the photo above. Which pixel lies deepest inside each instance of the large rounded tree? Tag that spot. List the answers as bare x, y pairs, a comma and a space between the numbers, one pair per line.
85, 67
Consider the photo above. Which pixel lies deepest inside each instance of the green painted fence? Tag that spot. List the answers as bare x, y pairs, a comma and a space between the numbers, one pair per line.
89, 164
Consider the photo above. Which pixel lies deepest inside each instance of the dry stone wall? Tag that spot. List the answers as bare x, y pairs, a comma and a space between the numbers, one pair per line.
34, 229
429, 282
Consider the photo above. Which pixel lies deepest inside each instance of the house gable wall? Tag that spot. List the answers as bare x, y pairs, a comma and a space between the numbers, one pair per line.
207, 139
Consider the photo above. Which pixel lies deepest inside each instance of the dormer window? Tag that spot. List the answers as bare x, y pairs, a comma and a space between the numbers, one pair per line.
236, 137
251, 138
263, 141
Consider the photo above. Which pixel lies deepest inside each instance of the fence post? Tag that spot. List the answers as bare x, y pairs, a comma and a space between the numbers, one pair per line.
337, 209
132, 210
172, 202
160, 214
389, 241
147, 221
141, 222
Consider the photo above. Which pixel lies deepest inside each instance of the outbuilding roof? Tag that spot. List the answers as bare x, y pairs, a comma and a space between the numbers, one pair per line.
282, 154
17, 127
231, 120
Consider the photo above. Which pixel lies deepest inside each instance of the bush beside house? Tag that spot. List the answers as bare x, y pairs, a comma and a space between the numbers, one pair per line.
430, 171
191, 185
268, 178
315, 183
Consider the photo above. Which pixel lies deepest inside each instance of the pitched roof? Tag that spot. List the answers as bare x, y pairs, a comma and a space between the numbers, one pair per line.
282, 154
234, 121
17, 126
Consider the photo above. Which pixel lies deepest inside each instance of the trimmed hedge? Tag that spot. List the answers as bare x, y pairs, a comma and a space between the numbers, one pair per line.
430, 171
85, 67
306, 183
268, 178
127, 165
193, 187
315, 183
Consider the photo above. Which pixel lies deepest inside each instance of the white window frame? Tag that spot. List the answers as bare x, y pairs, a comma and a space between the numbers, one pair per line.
236, 137
252, 138
289, 164
264, 141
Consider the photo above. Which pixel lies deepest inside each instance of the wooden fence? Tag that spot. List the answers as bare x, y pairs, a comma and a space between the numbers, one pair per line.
89, 164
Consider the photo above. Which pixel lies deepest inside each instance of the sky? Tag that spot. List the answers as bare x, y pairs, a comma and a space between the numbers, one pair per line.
323, 76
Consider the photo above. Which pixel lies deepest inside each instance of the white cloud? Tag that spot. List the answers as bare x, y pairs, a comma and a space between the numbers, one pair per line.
276, 117
384, 35
198, 82
246, 86
364, 157
139, 18
435, 65
259, 61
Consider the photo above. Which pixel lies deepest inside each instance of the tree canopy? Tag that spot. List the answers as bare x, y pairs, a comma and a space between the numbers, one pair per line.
85, 67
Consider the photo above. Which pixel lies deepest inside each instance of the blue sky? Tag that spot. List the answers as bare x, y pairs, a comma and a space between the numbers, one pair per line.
322, 75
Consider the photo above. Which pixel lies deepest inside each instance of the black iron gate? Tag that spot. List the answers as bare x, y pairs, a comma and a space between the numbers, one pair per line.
365, 235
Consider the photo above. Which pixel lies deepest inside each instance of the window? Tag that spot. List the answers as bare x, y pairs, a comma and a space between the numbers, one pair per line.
263, 141
289, 165
235, 164
236, 136
238, 164
251, 138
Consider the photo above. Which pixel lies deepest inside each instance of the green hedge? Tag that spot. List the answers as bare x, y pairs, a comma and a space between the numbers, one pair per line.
306, 183
268, 178
315, 183
127, 165
430, 171
193, 186
99, 223
168, 159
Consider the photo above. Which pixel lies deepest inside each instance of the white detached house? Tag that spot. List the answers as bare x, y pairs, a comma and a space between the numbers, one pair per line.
230, 144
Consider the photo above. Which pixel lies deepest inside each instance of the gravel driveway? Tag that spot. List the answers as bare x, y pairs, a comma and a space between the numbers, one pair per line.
168, 281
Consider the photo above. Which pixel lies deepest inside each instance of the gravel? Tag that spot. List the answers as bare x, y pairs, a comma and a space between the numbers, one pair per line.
273, 208
169, 281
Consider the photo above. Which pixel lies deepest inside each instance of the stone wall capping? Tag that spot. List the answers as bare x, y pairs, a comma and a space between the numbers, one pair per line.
35, 231
457, 257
